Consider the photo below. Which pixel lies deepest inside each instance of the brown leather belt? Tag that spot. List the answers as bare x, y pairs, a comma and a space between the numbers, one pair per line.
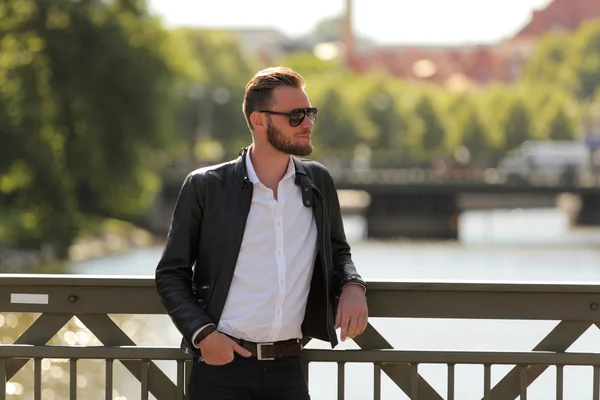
272, 351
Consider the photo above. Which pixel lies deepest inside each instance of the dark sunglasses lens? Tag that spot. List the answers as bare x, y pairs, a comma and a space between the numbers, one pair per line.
312, 114
296, 118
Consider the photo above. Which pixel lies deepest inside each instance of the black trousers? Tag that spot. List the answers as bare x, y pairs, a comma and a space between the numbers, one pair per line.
249, 379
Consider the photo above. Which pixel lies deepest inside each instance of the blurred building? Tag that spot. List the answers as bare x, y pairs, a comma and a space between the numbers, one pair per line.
267, 44
455, 67
463, 66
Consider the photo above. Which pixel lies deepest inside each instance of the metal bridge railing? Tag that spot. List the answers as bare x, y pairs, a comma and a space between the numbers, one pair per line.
95, 301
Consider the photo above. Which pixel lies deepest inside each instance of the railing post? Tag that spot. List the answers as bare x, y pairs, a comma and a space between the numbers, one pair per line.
596, 390
559, 382
524, 383
414, 381
341, 380
73, 379
180, 379
377, 381
37, 379
144, 379
487, 381
108, 386
2, 378
451, 380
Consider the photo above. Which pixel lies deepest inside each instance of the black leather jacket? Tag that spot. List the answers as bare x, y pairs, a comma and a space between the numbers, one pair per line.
206, 234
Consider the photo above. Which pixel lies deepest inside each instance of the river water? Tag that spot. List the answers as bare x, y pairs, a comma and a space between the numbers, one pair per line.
513, 246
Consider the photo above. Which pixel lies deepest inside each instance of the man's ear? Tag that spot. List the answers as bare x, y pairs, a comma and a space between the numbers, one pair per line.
258, 119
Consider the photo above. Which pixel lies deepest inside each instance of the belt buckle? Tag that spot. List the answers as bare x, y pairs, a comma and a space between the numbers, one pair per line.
259, 355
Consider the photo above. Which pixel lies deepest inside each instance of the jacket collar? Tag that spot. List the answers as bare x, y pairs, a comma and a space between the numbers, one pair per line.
240, 167
299, 165
241, 170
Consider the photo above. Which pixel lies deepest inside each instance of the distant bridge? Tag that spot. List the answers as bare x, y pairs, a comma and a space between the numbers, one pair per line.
426, 204
419, 203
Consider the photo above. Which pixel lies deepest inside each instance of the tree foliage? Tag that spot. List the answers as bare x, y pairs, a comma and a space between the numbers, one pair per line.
98, 101
84, 100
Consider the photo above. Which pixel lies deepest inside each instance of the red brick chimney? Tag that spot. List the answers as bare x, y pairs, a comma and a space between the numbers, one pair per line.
348, 35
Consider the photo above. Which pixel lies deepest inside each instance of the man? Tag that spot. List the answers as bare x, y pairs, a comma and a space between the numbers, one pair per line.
271, 265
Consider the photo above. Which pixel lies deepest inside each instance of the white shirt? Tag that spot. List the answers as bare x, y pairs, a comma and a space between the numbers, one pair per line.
268, 293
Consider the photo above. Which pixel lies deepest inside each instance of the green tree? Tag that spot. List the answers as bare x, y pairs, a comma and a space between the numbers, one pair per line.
85, 102
569, 61
561, 125
338, 130
433, 133
587, 60
516, 124
473, 133
212, 105
383, 110
309, 65
328, 29
551, 60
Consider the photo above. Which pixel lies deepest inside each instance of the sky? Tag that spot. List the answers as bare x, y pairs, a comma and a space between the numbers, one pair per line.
385, 21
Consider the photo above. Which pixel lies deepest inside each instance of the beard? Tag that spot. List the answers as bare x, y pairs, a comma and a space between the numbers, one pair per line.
279, 142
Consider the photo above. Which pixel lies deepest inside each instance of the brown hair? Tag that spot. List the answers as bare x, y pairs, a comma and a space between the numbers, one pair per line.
259, 89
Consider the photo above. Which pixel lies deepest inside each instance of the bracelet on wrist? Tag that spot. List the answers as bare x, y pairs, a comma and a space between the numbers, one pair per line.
205, 332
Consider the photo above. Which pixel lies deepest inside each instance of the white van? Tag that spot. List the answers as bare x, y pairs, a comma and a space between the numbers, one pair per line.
547, 162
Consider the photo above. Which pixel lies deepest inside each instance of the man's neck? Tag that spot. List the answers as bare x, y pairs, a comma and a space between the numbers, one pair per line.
269, 165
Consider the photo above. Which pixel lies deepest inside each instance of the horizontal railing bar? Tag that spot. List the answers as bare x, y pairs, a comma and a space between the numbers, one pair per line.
77, 294
312, 355
75, 280
93, 352
452, 357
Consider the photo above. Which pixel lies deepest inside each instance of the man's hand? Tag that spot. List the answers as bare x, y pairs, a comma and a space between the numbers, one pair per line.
218, 349
352, 312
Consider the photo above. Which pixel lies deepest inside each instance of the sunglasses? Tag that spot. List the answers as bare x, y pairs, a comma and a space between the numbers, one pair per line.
296, 116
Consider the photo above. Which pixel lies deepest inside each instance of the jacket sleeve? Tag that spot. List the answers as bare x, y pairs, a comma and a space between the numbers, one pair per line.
344, 270
174, 270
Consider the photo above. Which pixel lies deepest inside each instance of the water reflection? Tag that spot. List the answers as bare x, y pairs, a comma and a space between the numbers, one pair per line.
55, 375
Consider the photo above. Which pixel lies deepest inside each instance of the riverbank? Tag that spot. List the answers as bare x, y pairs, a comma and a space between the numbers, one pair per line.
100, 238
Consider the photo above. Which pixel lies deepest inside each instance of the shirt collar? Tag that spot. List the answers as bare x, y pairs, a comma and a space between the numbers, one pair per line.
291, 170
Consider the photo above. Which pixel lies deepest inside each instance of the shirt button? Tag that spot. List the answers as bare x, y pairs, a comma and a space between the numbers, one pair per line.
278, 223
281, 281
278, 312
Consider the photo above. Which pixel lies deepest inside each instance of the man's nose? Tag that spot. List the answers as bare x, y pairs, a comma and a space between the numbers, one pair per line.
307, 123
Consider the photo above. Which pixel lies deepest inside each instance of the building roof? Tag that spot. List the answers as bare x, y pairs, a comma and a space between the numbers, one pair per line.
479, 64
561, 15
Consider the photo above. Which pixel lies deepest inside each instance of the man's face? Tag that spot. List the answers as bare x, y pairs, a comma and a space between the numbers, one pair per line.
280, 134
